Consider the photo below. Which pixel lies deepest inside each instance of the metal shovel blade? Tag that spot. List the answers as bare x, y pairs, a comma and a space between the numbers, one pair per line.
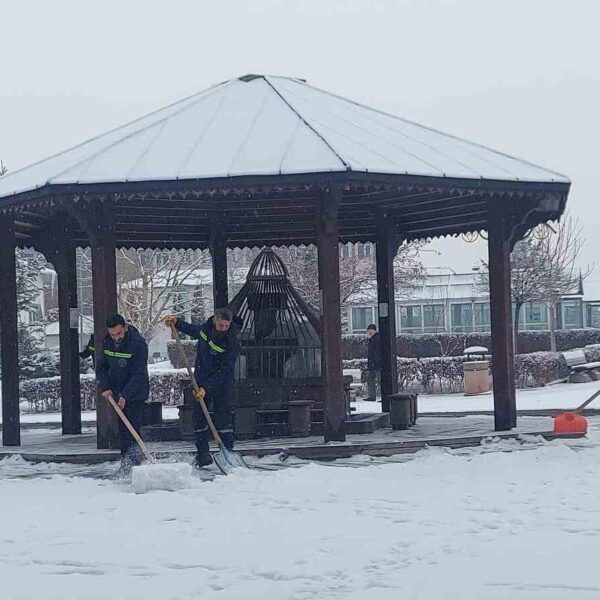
228, 460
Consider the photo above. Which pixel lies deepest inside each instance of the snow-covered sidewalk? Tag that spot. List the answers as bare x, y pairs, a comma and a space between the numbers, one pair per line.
562, 396
466, 524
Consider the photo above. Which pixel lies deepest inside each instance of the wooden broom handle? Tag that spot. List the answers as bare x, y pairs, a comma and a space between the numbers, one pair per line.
134, 433
213, 429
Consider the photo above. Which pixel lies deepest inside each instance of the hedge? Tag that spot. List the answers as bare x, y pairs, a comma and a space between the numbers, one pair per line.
452, 344
437, 374
43, 395
445, 374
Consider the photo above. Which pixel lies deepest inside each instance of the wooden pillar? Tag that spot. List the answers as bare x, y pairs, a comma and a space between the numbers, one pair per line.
218, 252
503, 370
64, 260
9, 348
386, 248
331, 342
104, 287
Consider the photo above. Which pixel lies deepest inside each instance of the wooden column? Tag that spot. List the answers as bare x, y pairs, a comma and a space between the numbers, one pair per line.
386, 248
9, 348
65, 264
104, 286
218, 252
503, 370
331, 341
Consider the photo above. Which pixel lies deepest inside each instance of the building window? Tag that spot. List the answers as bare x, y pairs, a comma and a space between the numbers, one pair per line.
361, 318
434, 318
344, 250
593, 315
570, 314
536, 316
410, 318
482, 316
462, 317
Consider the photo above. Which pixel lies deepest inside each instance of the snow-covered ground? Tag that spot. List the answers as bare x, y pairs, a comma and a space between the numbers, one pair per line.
502, 521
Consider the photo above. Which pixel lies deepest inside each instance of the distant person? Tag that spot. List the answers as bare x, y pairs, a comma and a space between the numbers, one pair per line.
89, 351
216, 355
122, 372
373, 362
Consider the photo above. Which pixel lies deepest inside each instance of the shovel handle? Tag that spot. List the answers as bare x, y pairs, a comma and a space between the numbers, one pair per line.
588, 401
186, 362
134, 433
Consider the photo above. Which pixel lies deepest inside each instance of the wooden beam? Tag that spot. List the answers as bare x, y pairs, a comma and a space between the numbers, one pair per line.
64, 261
385, 252
446, 208
331, 342
9, 340
104, 287
218, 252
499, 244
442, 230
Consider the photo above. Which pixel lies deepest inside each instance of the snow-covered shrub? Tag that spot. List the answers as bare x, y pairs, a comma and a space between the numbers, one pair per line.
568, 339
175, 355
43, 395
445, 374
44, 363
592, 354
538, 368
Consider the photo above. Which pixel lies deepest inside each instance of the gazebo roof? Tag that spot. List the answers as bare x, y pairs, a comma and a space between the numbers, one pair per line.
266, 125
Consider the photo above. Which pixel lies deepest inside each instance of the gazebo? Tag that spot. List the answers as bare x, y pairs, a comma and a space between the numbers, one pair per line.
264, 161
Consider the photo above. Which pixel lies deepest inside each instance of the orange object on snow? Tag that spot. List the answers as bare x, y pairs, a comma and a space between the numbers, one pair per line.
570, 423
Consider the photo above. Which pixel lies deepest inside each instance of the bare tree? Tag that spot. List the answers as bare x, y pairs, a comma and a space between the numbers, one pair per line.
544, 269
238, 262
528, 277
357, 273
152, 282
3, 168
560, 248
165, 281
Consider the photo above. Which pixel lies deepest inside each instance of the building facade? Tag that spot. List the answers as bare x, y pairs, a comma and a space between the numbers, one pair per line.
456, 303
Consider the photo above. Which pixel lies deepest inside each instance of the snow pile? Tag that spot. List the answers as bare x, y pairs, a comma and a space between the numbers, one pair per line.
161, 476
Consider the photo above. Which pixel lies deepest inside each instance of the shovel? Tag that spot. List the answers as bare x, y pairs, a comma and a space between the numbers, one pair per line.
227, 460
153, 476
573, 422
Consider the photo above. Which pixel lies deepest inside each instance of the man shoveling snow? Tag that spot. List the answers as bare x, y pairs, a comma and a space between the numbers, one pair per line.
217, 352
122, 373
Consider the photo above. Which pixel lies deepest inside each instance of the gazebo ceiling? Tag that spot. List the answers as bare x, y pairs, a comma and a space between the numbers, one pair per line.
258, 150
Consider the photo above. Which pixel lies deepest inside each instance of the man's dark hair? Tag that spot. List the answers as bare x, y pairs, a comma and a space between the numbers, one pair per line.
114, 321
372, 326
224, 314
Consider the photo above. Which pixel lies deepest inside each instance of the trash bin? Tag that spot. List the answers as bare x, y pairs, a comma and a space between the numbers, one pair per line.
476, 377
401, 408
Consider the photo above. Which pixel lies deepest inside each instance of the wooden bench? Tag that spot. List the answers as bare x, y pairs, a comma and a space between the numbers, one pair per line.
581, 371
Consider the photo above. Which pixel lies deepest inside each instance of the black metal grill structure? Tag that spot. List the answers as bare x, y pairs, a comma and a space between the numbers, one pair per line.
280, 354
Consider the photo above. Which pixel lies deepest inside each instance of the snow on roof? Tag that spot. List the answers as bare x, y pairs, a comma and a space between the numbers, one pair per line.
267, 125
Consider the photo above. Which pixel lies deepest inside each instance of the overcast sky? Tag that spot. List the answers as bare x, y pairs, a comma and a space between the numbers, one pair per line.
521, 76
